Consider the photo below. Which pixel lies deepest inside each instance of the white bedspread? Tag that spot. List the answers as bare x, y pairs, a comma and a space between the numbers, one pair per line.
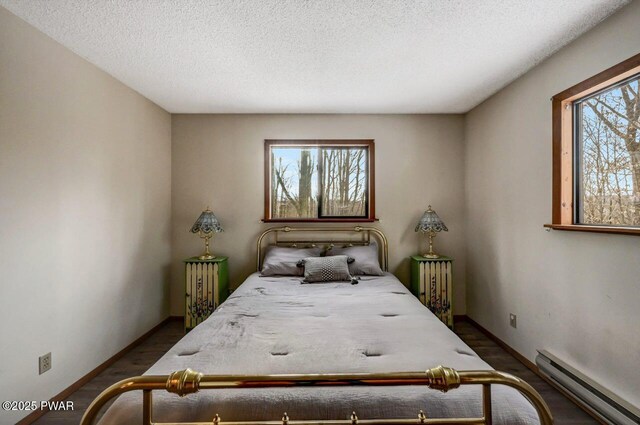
278, 325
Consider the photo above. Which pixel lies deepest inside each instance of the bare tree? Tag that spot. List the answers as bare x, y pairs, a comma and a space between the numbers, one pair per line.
284, 183
621, 113
611, 157
341, 174
305, 172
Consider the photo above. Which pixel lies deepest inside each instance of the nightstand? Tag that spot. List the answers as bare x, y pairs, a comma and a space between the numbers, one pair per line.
206, 287
431, 282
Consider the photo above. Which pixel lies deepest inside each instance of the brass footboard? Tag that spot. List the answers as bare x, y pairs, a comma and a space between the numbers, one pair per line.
439, 378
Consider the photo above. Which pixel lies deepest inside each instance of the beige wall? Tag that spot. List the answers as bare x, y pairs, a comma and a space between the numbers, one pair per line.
218, 160
85, 192
575, 294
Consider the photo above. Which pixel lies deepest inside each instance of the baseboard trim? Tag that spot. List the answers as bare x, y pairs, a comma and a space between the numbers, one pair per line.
522, 359
530, 365
32, 417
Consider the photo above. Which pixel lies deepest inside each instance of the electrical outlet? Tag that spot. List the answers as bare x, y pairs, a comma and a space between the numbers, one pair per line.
44, 363
513, 320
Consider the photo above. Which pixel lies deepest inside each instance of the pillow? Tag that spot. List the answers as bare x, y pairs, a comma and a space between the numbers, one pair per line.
366, 258
326, 269
282, 261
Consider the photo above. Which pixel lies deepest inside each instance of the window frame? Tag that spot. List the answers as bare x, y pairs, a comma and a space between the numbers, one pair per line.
368, 143
564, 192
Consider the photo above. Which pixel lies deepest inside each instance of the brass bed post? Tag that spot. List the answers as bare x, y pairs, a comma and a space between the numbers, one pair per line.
147, 407
486, 404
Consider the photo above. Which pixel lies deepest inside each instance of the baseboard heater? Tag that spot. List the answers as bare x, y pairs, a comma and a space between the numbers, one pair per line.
606, 405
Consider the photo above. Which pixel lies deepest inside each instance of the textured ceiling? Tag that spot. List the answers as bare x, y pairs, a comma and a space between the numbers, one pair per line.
304, 56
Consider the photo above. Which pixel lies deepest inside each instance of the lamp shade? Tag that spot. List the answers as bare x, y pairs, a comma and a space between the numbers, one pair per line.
207, 223
430, 222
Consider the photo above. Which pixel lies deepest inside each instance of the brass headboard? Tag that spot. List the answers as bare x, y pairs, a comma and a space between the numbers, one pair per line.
343, 234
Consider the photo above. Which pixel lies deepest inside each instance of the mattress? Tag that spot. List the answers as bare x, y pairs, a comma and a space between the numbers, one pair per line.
272, 325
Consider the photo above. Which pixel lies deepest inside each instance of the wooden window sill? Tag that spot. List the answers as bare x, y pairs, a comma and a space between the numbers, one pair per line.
596, 229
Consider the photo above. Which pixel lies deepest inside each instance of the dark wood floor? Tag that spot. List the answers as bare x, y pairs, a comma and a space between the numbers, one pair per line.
143, 356
564, 411
135, 362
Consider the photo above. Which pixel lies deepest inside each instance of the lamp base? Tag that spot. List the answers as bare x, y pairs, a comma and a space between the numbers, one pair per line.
431, 234
207, 255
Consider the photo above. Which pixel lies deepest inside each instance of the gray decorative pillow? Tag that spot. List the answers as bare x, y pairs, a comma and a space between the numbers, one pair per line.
326, 269
283, 261
366, 259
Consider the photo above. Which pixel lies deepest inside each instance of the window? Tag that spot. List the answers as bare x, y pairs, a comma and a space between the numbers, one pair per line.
596, 152
607, 140
319, 180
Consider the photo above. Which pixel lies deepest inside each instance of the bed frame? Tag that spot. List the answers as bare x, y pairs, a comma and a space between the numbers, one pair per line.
350, 236
440, 378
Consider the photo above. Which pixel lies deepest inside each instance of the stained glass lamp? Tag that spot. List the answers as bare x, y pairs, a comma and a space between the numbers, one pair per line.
206, 225
430, 223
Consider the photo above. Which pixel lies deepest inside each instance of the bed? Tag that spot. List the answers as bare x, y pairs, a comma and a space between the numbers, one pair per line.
333, 352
